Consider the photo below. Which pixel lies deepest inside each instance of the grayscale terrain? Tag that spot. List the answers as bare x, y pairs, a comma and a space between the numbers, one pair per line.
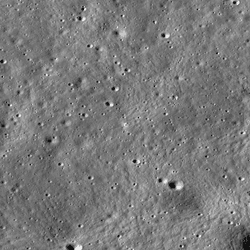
124, 124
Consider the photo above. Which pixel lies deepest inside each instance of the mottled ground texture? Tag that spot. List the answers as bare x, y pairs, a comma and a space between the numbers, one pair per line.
124, 124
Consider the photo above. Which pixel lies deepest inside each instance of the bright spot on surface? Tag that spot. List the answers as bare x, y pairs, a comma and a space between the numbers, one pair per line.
167, 35
78, 247
179, 185
165, 181
123, 33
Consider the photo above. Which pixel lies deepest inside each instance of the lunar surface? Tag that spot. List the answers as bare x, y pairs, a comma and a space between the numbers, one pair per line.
124, 124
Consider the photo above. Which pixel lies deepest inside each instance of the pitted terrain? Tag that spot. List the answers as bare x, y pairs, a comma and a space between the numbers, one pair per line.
124, 125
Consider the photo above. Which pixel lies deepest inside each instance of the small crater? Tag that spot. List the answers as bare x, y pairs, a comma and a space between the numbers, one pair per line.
175, 185
164, 35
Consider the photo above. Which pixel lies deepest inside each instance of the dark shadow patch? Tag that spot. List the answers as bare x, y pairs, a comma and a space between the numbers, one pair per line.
70, 246
235, 238
182, 203
3, 132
